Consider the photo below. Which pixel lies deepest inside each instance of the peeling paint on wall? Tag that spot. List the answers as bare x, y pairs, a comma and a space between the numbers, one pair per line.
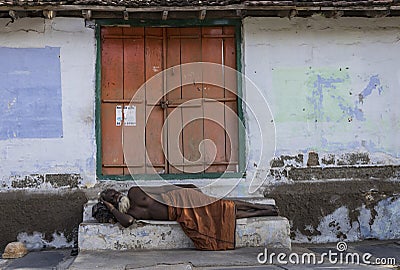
332, 228
37, 241
374, 83
372, 223
315, 166
329, 211
326, 103
43, 181
375, 224
319, 95
327, 92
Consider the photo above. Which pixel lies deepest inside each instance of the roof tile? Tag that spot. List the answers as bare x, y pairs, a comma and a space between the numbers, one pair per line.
180, 3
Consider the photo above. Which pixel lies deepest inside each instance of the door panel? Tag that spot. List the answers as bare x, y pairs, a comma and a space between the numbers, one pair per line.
192, 143
231, 118
154, 91
133, 139
174, 122
193, 114
112, 89
214, 121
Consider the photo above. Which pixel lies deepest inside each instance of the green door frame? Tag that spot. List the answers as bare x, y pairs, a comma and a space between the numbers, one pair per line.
170, 23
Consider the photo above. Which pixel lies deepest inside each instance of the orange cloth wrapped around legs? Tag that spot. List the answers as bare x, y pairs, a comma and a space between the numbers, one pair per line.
211, 227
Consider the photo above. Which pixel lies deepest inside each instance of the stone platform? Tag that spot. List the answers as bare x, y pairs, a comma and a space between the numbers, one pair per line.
271, 232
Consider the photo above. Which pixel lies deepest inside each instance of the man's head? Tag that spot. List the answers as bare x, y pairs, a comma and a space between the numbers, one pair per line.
116, 198
101, 213
111, 195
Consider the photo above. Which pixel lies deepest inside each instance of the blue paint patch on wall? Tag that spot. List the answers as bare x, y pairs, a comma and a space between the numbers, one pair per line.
30, 93
329, 91
374, 83
317, 97
356, 112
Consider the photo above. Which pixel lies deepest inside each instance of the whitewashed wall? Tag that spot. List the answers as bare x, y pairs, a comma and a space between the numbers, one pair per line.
74, 152
332, 84
333, 88
291, 63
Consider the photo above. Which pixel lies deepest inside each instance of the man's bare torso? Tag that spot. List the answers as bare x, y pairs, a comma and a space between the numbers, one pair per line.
145, 207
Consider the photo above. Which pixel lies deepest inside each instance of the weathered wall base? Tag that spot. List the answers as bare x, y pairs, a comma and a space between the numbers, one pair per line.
37, 218
42, 181
333, 210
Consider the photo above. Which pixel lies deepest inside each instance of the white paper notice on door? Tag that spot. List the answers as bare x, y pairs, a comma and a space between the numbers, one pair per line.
118, 115
130, 116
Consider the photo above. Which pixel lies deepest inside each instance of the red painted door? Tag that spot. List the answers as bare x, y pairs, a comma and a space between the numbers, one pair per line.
190, 142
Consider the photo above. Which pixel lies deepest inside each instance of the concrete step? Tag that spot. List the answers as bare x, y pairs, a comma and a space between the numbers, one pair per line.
270, 232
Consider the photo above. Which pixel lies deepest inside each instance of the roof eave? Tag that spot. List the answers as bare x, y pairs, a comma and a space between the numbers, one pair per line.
241, 10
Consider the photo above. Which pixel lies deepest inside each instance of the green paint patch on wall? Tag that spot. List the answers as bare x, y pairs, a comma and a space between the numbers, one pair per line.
312, 95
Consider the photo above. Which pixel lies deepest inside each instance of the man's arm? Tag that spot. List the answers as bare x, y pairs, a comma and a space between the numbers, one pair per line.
124, 219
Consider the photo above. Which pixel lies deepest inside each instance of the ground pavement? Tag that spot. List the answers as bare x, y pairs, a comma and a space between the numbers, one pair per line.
300, 257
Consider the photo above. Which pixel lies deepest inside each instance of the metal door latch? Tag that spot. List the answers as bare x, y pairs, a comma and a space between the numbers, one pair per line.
164, 104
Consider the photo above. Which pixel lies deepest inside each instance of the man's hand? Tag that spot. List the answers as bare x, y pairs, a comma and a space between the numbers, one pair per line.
107, 204
124, 219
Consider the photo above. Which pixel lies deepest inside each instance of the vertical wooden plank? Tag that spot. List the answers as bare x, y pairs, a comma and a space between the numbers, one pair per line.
174, 123
134, 77
175, 140
213, 129
164, 135
192, 132
230, 61
231, 119
212, 52
154, 92
111, 88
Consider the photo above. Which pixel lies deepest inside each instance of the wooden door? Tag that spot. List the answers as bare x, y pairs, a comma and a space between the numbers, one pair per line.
191, 142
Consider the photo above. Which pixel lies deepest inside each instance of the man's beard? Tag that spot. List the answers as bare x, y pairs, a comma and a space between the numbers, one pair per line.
124, 204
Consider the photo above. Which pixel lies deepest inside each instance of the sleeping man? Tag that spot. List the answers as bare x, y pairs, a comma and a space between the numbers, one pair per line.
208, 221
